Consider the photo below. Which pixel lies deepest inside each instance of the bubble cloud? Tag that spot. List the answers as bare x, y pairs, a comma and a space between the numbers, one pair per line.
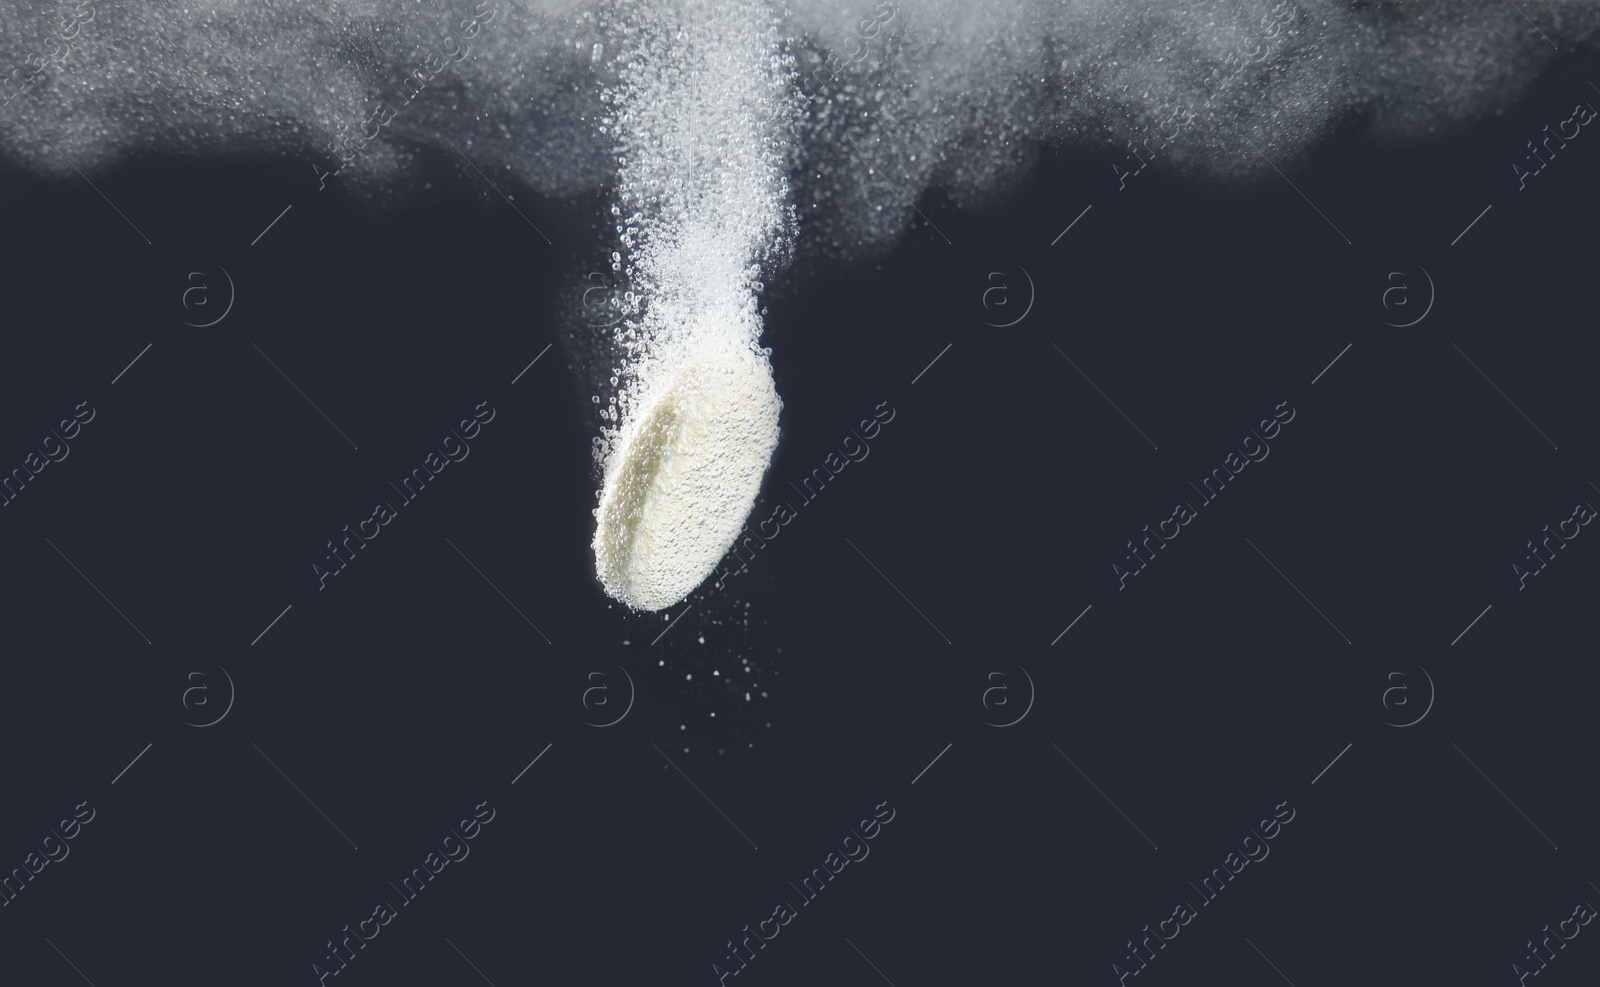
731, 138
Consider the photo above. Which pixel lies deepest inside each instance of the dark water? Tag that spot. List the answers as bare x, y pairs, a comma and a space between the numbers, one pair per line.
1248, 654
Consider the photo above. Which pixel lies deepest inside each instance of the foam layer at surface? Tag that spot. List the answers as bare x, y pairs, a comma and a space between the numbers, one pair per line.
939, 92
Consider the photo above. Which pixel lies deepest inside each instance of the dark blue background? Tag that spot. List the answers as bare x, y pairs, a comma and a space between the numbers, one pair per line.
998, 499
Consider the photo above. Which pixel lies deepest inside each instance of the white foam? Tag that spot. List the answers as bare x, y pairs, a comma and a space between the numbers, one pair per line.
946, 92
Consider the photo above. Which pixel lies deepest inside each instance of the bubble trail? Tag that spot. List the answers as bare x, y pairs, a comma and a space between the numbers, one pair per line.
701, 114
